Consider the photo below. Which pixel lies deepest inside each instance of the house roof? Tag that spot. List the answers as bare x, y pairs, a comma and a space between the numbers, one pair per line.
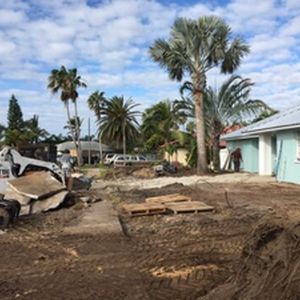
287, 119
85, 146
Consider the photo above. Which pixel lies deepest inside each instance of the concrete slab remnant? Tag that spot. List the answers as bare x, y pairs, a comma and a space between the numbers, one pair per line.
101, 217
37, 185
52, 202
11, 194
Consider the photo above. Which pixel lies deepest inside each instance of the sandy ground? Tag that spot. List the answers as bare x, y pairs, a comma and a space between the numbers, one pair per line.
155, 257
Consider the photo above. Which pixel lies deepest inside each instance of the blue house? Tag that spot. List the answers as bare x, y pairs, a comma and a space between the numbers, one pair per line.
271, 146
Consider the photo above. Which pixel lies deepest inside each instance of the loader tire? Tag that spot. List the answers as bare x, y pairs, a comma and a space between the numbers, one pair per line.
4, 218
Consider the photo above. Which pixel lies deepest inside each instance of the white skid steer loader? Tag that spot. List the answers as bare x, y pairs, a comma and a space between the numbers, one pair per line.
13, 165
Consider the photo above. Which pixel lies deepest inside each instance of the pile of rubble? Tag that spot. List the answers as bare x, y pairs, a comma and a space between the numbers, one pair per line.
36, 192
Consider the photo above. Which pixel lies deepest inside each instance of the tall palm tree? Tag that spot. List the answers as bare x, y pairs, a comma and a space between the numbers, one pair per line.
223, 107
118, 122
195, 47
74, 82
96, 103
67, 81
160, 121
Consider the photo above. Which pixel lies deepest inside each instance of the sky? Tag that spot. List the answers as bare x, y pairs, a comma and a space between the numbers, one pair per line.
108, 42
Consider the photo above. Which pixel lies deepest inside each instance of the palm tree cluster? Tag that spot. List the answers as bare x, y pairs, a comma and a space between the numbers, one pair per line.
160, 123
193, 48
67, 81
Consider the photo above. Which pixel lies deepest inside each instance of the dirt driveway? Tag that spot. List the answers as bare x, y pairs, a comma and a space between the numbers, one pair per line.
159, 257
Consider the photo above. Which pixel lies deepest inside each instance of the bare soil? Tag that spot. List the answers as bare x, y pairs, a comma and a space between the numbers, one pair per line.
182, 256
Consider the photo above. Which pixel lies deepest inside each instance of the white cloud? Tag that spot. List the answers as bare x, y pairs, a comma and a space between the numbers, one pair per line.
108, 43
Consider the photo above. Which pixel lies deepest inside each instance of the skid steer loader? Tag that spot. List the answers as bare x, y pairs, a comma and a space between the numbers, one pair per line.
13, 165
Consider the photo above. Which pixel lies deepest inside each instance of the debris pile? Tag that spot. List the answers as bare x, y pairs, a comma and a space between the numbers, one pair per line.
36, 192
270, 264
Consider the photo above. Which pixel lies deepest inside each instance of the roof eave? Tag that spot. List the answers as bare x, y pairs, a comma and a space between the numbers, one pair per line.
272, 129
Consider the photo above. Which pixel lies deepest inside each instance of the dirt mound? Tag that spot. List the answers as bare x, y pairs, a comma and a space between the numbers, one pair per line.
144, 173
135, 171
270, 264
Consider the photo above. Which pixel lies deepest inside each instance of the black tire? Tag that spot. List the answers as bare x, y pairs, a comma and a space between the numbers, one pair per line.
4, 218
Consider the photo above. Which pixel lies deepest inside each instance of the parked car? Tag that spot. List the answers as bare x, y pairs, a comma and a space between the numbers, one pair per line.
128, 160
109, 158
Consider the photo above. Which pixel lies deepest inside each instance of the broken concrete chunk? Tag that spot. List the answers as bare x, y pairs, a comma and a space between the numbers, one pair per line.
11, 194
36, 185
25, 210
49, 203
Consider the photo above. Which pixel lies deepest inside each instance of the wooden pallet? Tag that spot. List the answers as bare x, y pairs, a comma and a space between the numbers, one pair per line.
144, 209
164, 199
188, 207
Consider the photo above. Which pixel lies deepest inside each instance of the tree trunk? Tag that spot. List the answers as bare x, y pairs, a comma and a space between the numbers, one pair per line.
71, 129
79, 152
200, 133
100, 147
124, 141
216, 153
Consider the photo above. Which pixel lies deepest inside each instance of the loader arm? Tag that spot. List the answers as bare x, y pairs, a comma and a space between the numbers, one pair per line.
13, 157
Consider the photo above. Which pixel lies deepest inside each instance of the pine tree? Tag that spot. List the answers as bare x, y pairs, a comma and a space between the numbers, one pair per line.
15, 115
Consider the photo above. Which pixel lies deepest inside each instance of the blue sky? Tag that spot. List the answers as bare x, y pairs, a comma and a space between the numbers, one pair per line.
108, 42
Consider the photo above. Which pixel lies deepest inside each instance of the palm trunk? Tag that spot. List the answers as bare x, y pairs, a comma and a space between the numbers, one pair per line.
216, 153
124, 142
71, 129
100, 147
79, 152
200, 130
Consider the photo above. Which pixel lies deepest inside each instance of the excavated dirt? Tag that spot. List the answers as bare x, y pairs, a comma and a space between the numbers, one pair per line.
185, 256
269, 264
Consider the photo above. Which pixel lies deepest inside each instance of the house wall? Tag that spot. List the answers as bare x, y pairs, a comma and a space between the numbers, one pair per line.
287, 166
179, 156
249, 149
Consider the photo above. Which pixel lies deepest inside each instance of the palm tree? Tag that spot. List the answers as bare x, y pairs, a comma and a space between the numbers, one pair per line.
74, 82
34, 130
67, 81
118, 122
160, 122
96, 103
229, 105
195, 47
71, 125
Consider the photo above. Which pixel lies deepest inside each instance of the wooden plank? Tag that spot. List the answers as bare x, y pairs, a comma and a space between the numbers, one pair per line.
168, 198
188, 207
144, 209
